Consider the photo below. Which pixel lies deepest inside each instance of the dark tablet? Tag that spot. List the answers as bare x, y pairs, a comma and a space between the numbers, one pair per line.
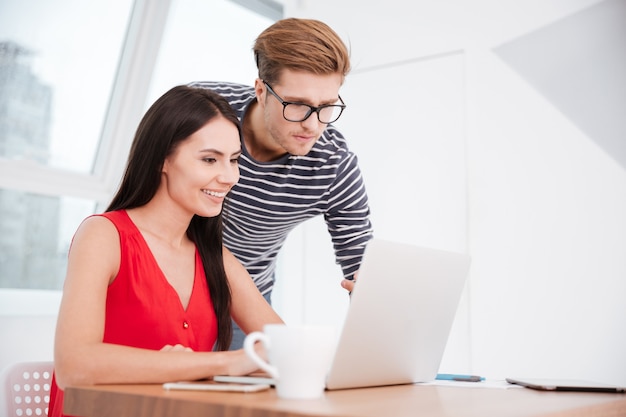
565, 385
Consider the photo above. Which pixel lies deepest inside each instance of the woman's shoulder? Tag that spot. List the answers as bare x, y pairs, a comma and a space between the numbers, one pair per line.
111, 220
96, 243
96, 226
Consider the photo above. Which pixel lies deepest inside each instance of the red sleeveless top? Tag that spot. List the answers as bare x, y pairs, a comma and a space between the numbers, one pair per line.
143, 310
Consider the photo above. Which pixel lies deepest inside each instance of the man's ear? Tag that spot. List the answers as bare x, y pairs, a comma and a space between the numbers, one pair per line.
259, 90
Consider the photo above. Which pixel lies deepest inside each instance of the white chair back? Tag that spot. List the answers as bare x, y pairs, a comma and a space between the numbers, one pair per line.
27, 388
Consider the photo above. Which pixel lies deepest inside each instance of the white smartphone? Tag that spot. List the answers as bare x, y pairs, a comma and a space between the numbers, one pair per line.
246, 379
215, 386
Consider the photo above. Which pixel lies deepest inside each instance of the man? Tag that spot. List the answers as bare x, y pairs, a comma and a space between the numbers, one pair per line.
295, 165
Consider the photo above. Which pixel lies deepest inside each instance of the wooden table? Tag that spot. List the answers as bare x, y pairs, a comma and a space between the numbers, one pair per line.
394, 401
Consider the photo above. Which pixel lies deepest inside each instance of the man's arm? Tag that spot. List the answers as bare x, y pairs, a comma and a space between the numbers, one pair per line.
348, 219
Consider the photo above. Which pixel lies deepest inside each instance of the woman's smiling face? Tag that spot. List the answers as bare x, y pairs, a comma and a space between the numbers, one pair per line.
203, 168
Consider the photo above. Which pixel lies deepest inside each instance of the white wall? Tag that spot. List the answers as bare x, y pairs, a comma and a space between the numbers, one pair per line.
542, 98
27, 324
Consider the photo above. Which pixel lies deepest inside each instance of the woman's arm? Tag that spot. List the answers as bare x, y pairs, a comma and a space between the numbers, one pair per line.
249, 309
80, 355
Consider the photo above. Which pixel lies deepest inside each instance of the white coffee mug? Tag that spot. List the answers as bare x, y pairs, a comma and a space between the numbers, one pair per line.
299, 357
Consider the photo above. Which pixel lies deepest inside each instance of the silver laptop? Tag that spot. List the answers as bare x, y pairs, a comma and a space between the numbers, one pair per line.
400, 315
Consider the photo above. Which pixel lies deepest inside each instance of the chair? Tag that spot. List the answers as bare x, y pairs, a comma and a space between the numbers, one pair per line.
27, 388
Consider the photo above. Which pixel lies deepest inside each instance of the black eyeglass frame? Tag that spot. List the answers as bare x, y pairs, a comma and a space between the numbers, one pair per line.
312, 109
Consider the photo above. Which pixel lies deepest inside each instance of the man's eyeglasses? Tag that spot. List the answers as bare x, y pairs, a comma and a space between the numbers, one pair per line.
299, 112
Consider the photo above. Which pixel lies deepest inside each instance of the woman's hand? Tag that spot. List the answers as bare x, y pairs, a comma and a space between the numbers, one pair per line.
240, 364
176, 348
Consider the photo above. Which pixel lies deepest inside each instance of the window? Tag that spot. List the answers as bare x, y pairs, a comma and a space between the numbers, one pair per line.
35, 234
207, 41
57, 70
58, 62
75, 78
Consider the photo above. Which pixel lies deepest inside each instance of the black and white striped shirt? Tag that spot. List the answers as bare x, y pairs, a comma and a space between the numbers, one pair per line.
271, 198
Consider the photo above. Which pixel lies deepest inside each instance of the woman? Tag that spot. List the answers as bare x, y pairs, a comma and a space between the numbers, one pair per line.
149, 289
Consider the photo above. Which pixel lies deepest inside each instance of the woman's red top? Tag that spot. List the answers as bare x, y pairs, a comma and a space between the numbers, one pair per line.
143, 310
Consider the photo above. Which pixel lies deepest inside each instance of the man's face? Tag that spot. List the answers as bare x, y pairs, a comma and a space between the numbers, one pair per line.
296, 138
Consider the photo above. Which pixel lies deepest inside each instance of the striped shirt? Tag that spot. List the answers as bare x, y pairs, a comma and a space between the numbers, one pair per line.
272, 198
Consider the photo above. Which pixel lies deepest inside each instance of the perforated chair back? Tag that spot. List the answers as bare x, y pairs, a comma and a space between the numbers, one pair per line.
27, 388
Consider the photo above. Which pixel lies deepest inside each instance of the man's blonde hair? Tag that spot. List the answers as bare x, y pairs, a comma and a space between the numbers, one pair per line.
300, 44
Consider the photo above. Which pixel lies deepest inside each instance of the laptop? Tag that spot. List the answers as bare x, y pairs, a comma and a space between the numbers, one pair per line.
400, 315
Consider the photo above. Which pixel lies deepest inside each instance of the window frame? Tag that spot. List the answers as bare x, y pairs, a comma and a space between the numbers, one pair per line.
126, 105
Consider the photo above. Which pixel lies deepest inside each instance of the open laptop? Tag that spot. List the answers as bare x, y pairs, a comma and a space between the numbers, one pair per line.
400, 315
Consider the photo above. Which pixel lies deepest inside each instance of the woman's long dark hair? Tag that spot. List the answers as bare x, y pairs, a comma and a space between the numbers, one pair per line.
170, 120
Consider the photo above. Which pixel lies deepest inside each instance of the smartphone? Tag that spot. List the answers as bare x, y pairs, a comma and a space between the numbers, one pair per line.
246, 379
565, 385
215, 386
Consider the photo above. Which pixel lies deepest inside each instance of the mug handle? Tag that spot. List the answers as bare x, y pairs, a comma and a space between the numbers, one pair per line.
248, 347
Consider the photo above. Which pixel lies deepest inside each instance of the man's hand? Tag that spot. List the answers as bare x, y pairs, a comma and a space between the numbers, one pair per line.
348, 284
